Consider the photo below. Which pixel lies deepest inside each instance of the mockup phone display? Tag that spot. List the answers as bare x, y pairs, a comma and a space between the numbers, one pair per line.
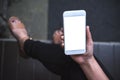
74, 23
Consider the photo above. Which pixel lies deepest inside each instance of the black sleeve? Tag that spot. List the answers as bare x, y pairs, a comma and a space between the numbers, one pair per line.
52, 56
54, 59
45, 52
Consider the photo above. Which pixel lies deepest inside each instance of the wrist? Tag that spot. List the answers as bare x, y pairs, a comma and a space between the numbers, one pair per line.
88, 61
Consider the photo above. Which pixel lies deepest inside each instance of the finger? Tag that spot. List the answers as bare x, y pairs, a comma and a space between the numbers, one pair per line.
62, 37
62, 44
89, 37
60, 32
56, 33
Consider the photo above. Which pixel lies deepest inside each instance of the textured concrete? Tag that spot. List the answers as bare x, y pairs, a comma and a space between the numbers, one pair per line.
33, 13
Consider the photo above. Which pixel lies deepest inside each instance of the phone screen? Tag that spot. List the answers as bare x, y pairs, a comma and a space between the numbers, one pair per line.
75, 33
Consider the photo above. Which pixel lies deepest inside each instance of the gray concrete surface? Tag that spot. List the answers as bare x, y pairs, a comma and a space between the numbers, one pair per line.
33, 14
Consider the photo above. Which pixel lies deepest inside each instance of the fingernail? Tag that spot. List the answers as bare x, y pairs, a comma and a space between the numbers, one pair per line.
87, 26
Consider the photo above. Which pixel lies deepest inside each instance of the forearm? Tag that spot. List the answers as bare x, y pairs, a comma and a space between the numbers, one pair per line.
93, 71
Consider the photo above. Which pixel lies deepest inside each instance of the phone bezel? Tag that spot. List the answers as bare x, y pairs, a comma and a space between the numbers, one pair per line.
73, 13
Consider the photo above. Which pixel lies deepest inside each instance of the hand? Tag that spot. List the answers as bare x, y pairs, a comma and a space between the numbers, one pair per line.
57, 36
83, 58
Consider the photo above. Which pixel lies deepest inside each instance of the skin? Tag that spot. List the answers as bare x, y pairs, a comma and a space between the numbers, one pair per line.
86, 61
57, 36
19, 32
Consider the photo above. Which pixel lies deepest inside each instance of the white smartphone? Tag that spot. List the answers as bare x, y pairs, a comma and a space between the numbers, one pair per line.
74, 23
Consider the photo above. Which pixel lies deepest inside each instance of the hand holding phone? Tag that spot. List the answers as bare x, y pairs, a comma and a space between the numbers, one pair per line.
74, 32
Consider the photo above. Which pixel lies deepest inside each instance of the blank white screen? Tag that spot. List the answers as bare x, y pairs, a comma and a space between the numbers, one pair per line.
74, 31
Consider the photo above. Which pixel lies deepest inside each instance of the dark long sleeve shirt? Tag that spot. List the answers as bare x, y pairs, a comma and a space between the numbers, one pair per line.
53, 58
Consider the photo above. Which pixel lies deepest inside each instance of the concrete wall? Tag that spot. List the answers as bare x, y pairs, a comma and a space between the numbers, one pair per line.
33, 14
102, 17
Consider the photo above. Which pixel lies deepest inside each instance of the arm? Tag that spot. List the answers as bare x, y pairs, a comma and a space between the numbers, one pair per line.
93, 71
87, 62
